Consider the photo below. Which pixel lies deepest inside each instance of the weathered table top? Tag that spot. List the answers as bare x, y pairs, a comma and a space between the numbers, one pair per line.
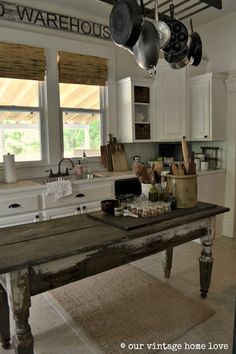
31, 244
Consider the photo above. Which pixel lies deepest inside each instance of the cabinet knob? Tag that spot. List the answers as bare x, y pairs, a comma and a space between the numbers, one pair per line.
184, 137
205, 136
80, 195
14, 205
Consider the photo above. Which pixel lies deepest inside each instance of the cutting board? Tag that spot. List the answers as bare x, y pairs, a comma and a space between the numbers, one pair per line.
119, 159
129, 223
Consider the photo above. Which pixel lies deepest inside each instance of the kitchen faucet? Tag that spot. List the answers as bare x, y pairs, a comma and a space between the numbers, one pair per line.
66, 173
59, 173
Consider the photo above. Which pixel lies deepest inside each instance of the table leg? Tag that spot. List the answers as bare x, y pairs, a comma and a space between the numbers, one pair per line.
19, 301
4, 319
167, 261
206, 259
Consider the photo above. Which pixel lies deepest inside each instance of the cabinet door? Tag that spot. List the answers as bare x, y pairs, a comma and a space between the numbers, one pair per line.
208, 107
135, 109
200, 110
172, 103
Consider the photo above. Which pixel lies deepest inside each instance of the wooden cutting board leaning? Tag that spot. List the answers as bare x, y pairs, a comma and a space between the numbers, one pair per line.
113, 156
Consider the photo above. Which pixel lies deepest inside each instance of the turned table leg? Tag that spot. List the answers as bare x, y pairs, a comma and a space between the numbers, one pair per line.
4, 319
19, 301
167, 261
206, 259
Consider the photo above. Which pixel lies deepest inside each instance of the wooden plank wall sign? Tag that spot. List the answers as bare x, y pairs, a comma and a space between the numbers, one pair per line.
28, 15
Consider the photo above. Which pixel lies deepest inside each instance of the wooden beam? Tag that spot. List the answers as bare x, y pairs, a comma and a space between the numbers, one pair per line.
214, 3
150, 12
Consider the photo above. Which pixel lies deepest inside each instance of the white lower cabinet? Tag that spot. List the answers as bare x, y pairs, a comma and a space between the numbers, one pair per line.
18, 208
21, 207
69, 210
82, 194
19, 219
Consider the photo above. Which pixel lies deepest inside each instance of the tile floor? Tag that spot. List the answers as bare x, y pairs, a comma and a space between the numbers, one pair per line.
56, 333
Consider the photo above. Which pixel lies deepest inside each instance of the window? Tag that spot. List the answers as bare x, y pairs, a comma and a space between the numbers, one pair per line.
82, 80
81, 116
20, 119
22, 70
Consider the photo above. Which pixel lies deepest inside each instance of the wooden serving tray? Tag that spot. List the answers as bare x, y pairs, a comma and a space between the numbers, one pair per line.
130, 223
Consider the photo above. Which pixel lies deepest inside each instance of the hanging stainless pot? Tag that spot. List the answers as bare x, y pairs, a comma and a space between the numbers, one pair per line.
125, 22
162, 28
147, 48
195, 47
179, 35
178, 61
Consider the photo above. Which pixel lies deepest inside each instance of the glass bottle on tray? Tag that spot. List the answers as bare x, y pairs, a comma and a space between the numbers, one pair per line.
153, 192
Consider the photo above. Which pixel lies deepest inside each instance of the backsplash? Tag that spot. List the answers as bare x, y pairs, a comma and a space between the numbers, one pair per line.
196, 147
145, 150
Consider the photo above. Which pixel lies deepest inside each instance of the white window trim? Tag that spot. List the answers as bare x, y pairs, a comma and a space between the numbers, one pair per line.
100, 111
14, 108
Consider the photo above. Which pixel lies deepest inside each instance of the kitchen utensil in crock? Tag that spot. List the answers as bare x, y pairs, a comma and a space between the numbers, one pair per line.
186, 157
178, 37
125, 22
162, 28
195, 47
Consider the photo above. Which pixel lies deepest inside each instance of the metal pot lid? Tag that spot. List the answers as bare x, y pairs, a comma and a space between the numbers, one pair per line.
164, 33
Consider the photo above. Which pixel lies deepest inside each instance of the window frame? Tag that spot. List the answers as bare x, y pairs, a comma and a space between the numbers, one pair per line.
101, 111
42, 127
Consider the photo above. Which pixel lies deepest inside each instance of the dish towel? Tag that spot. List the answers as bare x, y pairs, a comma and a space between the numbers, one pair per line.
59, 189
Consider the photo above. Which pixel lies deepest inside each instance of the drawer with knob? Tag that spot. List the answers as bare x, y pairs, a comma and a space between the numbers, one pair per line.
18, 204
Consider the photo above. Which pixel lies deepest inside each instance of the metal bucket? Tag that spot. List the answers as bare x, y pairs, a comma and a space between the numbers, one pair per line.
185, 190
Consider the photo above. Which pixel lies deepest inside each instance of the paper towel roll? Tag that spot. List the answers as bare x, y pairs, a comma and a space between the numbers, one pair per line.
9, 168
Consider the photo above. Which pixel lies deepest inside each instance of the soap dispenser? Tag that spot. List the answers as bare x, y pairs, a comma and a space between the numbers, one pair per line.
79, 168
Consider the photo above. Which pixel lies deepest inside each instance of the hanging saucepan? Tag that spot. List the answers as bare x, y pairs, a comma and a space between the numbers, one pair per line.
125, 22
162, 28
147, 48
178, 61
179, 35
195, 47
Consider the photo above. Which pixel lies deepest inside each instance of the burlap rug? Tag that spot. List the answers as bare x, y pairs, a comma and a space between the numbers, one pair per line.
128, 306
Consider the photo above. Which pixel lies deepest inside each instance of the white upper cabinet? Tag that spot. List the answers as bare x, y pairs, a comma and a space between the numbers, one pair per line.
208, 107
135, 102
171, 110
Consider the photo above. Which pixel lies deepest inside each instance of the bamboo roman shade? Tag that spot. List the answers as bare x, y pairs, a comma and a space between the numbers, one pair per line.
22, 62
82, 69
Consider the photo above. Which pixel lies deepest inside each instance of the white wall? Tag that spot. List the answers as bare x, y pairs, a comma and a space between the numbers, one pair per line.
219, 43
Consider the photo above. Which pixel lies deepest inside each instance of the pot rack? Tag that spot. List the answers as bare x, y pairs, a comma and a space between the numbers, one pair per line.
183, 8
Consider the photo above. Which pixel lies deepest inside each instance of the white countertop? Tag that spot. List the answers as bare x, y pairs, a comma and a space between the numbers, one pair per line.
27, 185
208, 172
19, 184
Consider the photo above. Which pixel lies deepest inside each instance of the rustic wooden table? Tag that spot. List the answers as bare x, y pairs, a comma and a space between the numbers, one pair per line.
42, 256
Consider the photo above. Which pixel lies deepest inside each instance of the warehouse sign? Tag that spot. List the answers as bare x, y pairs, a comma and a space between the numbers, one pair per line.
29, 15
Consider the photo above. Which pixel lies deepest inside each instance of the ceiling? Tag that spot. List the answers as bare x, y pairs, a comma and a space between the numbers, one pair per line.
102, 10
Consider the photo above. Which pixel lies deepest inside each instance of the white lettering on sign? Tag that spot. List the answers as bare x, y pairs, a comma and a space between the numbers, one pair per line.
29, 15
